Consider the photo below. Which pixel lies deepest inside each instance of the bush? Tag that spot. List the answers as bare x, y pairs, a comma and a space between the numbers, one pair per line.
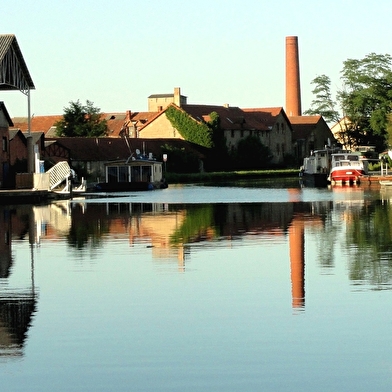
252, 154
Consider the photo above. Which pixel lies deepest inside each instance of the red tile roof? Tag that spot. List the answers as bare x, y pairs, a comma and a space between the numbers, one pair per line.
261, 119
304, 125
115, 122
38, 123
302, 120
107, 149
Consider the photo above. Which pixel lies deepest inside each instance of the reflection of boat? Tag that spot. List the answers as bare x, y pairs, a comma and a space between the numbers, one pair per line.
385, 182
133, 175
315, 169
346, 168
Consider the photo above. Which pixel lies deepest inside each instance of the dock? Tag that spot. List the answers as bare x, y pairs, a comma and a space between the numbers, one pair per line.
29, 196
371, 179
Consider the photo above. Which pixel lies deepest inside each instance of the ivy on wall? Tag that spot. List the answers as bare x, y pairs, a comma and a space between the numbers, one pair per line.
190, 129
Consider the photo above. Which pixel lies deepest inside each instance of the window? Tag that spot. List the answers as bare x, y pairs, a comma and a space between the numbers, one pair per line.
5, 144
123, 174
232, 133
112, 174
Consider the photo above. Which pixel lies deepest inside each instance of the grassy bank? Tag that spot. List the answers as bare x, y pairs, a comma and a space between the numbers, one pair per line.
176, 178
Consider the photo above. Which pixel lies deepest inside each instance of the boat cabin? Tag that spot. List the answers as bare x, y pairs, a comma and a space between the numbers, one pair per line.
136, 174
345, 160
317, 162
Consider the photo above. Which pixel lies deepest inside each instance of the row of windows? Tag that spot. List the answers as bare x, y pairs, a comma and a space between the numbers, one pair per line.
255, 133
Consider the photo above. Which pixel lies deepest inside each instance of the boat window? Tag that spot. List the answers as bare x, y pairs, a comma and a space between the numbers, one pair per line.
135, 173
123, 174
146, 173
112, 173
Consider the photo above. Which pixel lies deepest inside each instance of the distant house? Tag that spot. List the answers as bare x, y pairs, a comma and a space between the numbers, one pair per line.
43, 124
339, 130
158, 102
310, 133
270, 125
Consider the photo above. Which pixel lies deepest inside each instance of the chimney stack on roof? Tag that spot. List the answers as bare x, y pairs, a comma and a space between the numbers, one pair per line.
177, 96
293, 86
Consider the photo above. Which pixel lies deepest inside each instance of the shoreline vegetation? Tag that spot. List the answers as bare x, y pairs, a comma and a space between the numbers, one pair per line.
176, 178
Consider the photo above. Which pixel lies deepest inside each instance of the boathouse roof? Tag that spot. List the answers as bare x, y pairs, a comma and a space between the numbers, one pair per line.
14, 74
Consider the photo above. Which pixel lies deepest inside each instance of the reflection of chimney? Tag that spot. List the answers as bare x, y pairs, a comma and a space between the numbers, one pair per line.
293, 87
297, 262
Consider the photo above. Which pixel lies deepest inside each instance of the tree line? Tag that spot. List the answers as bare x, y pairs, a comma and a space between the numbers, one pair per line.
363, 103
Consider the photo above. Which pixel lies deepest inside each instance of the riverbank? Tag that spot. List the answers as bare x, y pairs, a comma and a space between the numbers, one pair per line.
176, 178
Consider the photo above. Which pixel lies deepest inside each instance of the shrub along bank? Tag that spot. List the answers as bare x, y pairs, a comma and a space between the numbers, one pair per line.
213, 177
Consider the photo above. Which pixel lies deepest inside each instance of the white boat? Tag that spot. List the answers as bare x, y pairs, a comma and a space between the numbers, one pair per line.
316, 168
133, 174
347, 168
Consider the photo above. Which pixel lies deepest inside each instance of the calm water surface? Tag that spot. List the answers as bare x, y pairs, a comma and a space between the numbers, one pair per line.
260, 286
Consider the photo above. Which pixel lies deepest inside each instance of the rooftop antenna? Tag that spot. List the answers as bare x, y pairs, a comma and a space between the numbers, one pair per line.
124, 135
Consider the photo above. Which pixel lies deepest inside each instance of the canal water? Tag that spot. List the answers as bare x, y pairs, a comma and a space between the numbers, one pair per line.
254, 286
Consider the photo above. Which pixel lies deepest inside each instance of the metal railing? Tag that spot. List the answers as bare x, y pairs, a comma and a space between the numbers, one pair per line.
58, 173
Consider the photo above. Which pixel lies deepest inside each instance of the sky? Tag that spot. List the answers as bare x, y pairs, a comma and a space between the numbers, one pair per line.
116, 53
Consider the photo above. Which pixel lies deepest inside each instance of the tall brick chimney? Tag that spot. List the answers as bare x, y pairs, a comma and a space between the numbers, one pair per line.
177, 96
293, 86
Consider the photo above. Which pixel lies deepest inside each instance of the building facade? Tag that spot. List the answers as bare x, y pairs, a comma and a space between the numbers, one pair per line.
5, 123
159, 102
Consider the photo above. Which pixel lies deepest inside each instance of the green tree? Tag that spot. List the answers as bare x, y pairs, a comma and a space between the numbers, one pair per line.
81, 120
180, 160
252, 154
218, 157
323, 104
365, 100
366, 97
389, 130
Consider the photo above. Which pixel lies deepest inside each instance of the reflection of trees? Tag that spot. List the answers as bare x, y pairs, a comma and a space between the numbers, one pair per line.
88, 226
370, 231
211, 221
198, 225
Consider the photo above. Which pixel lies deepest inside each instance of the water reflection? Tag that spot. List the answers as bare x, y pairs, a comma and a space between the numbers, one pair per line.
172, 232
17, 304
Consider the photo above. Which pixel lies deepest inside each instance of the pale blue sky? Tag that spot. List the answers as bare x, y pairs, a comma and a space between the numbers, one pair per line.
116, 53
